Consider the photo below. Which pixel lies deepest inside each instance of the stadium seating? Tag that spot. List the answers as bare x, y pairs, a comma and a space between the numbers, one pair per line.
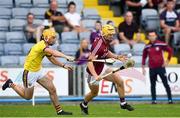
22, 60
150, 19
17, 24
62, 10
176, 41
38, 21
1, 49
26, 48
5, 13
4, 25
19, 13
69, 37
41, 3
2, 37
23, 3
62, 3
15, 37
122, 48
90, 13
138, 49
12, 49
46, 62
69, 49
9, 61
38, 12
84, 35
137, 59
13, 14
6, 3
89, 24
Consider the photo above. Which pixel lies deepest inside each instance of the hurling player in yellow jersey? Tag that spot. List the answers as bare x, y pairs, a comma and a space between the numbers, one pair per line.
33, 72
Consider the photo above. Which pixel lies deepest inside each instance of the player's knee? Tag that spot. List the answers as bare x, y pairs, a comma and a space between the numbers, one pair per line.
94, 93
28, 97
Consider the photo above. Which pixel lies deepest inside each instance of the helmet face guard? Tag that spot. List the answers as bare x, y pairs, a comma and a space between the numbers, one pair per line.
108, 32
49, 36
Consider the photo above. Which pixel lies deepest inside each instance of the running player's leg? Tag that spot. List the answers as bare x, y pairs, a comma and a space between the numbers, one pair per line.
115, 78
93, 93
24, 92
94, 89
47, 83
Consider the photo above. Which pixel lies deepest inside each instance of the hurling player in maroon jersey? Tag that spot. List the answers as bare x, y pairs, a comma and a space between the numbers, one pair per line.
100, 50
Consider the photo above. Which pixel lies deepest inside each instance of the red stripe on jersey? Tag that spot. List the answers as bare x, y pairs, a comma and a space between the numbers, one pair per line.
97, 47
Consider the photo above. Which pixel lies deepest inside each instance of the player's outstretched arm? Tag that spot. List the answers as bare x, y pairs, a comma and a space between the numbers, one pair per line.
118, 57
53, 60
56, 53
91, 67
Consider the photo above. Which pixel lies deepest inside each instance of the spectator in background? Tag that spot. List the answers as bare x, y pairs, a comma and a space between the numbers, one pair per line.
57, 18
135, 6
74, 18
96, 32
30, 29
154, 50
127, 29
155, 4
83, 52
169, 20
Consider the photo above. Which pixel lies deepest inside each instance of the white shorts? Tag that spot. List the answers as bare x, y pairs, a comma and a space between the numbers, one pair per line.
30, 78
91, 78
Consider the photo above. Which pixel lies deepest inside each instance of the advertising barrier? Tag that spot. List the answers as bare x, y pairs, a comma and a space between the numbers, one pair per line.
136, 84
58, 75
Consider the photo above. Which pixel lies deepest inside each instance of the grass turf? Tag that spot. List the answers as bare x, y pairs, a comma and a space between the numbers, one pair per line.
95, 110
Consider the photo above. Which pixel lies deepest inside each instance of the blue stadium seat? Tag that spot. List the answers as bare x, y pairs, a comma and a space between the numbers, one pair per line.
62, 3
84, 35
22, 60
1, 49
69, 37
41, 3
69, 49
137, 59
122, 48
176, 41
23, 3
150, 19
26, 48
89, 24
12, 49
62, 10
38, 21
91, 13
9, 61
6, 3
15, 37
20, 13
38, 12
138, 49
5, 13
2, 37
4, 25
46, 62
17, 24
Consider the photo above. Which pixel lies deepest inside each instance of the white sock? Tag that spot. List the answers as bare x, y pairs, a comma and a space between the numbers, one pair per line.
123, 103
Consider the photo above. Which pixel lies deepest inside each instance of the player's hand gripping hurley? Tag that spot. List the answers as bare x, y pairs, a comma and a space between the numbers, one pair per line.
129, 63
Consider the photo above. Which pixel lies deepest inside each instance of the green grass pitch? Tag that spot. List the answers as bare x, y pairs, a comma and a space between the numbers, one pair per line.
95, 110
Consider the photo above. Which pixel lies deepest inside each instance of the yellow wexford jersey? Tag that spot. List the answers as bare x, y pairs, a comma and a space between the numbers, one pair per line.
34, 58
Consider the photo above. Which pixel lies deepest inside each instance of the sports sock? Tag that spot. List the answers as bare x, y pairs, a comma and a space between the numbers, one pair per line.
58, 109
